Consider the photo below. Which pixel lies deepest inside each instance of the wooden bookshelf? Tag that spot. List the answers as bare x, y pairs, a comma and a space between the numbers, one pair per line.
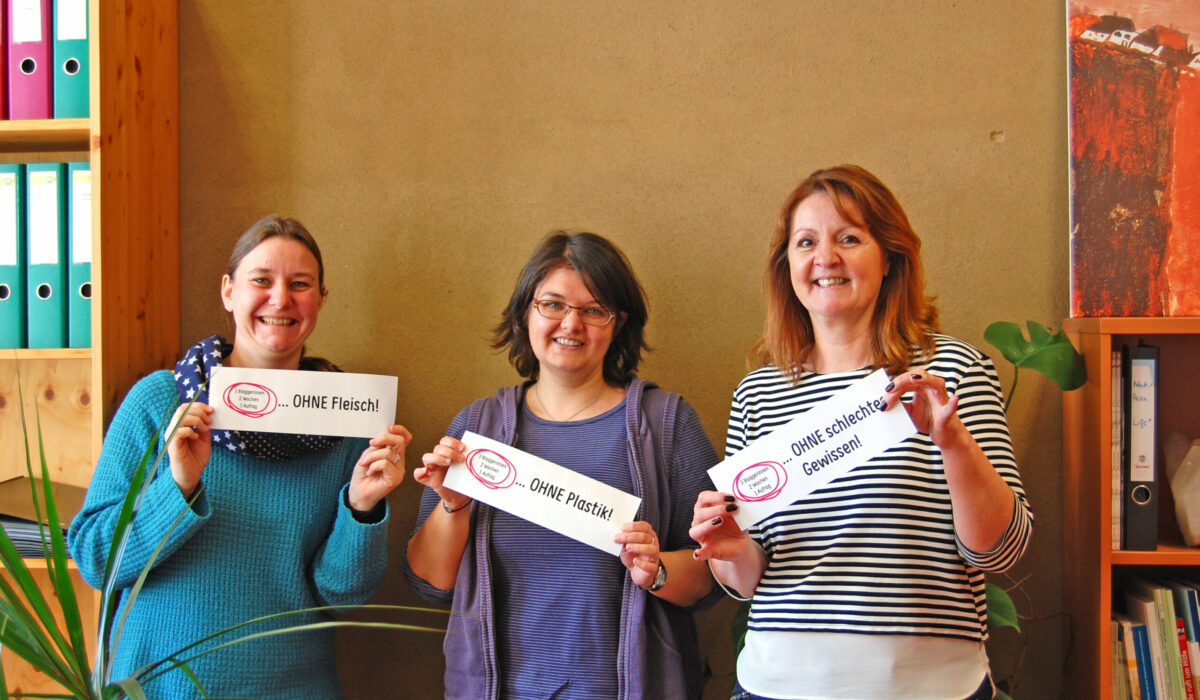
35, 136
131, 140
1091, 563
20, 676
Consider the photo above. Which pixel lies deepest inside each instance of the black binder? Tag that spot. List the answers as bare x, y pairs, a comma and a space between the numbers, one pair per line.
1139, 453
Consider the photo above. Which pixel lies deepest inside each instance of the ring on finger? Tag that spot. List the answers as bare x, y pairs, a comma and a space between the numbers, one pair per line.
395, 458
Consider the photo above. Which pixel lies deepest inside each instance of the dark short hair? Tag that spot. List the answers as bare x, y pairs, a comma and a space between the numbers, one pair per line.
608, 276
270, 226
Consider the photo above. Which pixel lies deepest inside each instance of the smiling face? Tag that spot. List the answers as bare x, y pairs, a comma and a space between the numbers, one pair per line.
836, 265
568, 346
274, 296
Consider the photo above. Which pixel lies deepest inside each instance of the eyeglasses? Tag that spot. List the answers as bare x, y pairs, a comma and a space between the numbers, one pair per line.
558, 310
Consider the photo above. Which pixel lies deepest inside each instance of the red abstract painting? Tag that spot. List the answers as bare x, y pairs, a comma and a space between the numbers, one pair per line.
1135, 158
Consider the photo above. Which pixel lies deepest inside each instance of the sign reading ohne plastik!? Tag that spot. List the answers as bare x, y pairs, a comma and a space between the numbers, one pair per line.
542, 492
814, 448
304, 403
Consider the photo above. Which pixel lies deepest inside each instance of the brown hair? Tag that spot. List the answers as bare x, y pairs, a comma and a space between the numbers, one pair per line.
271, 226
904, 316
608, 276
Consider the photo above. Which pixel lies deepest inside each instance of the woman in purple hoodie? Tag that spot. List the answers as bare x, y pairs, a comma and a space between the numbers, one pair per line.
539, 615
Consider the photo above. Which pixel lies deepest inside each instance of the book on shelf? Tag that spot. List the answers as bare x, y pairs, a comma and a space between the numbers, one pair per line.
1154, 605
1141, 655
26, 536
1119, 668
1139, 606
1185, 663
1168, 607
1127, 665
1187, 607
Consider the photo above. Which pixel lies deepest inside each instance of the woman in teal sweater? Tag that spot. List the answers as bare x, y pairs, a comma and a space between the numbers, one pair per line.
267, 523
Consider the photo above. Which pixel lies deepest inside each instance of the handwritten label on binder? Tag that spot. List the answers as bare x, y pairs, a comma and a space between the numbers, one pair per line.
1141, 419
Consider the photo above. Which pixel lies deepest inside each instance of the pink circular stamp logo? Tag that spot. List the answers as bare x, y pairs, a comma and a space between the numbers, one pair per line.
251, 400
491, 469
760, 482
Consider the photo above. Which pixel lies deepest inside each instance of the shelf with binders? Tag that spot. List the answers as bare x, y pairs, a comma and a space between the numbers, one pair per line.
1093, 567
131, 141
53, 385
47, 53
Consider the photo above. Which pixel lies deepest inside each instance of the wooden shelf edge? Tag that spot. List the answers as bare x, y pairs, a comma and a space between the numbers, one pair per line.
45, 354
1165, 555
1131, 326
39, 564
34, 135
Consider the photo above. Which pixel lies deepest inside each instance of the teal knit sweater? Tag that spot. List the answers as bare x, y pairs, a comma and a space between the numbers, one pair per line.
264, 537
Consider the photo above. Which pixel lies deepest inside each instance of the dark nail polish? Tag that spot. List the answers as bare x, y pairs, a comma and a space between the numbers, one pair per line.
729, 499
731, 507
881, 404
716, 520
695, 554
916, 377
890, 386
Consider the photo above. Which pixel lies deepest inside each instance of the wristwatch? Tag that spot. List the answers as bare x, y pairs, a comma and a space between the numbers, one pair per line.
660, 579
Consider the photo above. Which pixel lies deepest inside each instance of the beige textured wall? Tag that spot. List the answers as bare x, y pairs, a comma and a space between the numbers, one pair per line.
430, 144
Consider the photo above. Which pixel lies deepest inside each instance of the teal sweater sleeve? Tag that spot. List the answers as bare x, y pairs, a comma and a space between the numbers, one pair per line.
266, 537
348, 567
148, 407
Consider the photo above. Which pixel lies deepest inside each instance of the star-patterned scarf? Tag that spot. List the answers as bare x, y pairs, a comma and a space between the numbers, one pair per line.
193, 371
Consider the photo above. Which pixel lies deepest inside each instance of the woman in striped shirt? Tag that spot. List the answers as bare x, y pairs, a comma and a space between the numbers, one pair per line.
873, 585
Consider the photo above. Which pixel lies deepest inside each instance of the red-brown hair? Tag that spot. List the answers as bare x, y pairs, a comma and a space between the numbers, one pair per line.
904, 316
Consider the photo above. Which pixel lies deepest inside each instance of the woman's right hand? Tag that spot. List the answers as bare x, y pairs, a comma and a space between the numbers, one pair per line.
432, 471
191, 446
714, 528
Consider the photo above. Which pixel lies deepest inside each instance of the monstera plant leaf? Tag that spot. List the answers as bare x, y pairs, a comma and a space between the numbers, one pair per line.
1001, 610
1050, 354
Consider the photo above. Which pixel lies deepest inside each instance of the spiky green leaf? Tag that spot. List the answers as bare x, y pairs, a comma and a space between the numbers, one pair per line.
27, 623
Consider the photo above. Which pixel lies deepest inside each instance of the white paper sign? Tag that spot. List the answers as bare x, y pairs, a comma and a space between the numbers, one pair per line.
816, 447
305, 403
542, 492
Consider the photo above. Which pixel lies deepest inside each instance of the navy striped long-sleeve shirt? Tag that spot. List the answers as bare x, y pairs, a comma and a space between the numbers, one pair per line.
875, 550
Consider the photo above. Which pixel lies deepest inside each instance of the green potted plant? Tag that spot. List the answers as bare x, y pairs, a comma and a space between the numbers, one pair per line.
28, 627
1052, 355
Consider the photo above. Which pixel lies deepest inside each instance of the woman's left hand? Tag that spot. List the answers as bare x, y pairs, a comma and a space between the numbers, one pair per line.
932, 410
639, 552
380, 468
